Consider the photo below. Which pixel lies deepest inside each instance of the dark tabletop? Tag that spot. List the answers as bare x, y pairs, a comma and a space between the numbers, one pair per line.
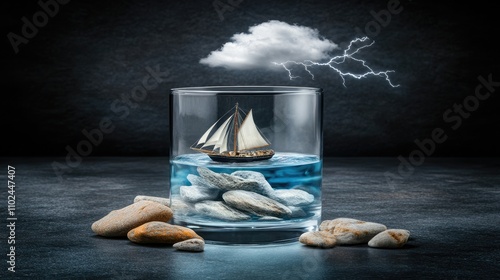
451, 207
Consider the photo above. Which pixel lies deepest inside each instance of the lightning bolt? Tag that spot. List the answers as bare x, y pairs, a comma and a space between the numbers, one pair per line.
348, 54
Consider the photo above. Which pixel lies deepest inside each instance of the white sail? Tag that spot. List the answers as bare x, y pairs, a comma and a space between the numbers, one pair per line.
225, 142
249, 136
222, 143
218, 135
203, 138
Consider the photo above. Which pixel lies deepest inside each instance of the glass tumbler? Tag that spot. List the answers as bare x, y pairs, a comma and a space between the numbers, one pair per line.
246, 162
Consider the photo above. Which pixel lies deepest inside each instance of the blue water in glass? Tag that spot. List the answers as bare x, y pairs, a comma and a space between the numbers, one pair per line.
282, 171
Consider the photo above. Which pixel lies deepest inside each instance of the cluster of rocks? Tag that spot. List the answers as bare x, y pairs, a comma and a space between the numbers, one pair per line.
146, 222
239, 196
346, 231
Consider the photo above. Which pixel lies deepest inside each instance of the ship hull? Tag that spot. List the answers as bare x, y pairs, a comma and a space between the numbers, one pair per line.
227, 158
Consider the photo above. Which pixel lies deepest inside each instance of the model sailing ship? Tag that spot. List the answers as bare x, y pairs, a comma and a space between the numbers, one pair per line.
237, 139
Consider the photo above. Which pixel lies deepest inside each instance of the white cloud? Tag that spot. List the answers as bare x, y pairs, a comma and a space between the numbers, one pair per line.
268, 42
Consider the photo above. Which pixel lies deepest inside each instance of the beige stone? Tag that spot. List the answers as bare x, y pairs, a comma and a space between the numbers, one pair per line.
160, 232
391, 238
322, 239
192, 245
163, 200
179, 207
119, 222
329, 225
349, 233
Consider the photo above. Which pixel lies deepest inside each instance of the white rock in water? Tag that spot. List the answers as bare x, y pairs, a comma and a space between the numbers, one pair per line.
391, 238
256, 204
192, 245
181, 208
266, 188
196, 193
322, 239
219, 210
162, 200
293, 197
270, 218
297, 212
198, 181
227, 182
329, 225
356, 233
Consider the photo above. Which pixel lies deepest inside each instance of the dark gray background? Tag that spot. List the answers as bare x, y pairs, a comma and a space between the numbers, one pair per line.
66, 78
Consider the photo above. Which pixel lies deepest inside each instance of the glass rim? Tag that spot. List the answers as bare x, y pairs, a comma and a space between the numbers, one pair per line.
245, 89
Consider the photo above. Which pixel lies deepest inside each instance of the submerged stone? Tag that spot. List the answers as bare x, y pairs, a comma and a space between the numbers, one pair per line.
293, 197
196, 193
198, 181
297, 212
219, 210
256, 204
181, 208
270, 218
265, 187
228, 182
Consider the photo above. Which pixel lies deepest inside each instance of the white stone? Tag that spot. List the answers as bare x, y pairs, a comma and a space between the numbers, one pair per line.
196, 193
265, 187
256, 204
178, 206
322, 239
292, 197
198, 181
219, 210
329, 225
391, 238
181, 208
228, 182
297, 212
163, 200
348, 233
192, 245
118, 223
270, 219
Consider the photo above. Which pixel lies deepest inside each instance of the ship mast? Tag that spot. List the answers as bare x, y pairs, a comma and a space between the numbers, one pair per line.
235, 148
